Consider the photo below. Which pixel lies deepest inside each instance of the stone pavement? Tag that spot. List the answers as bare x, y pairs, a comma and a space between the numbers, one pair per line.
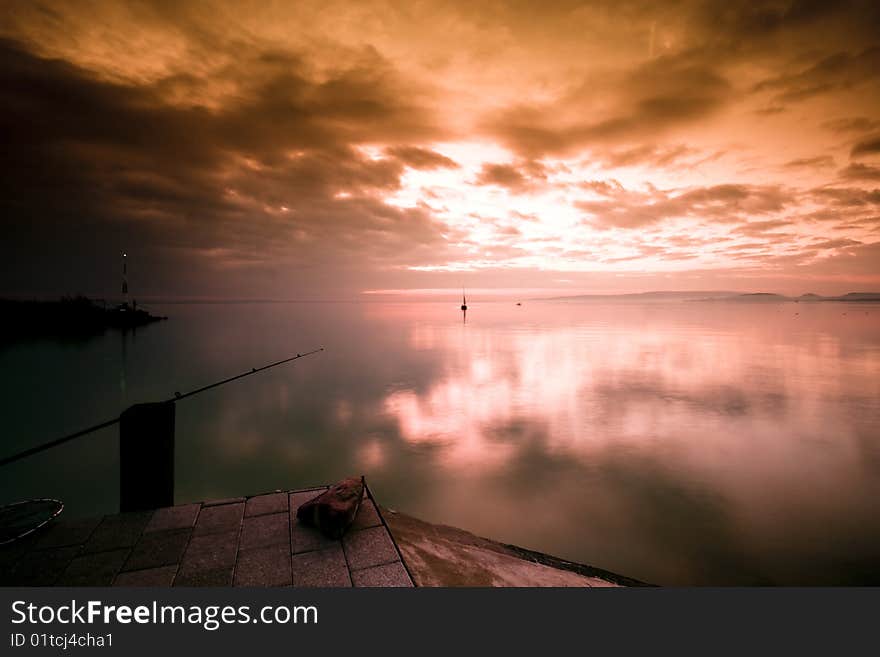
255, 541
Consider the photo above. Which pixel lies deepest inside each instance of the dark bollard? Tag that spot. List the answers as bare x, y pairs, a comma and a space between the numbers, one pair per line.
146, 457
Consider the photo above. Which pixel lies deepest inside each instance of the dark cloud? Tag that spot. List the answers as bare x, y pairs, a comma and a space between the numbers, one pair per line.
770, 111
868, 146
818, 162
761, 228
269, 149
851, 124
255, 183
502, 175
519, 177
741, 19
676, 155
823, 244
422, 158
656, 96
859, 171
847, 197
841, 70
858, 260
603, 187
716, 204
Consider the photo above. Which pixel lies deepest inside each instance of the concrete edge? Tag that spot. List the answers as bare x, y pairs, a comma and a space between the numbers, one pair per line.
391, 534
525, 554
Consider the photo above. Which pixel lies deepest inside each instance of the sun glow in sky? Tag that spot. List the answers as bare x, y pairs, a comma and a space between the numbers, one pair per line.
327, 148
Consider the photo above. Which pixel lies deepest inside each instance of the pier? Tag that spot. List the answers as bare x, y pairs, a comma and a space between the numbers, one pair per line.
253, 541
258, 541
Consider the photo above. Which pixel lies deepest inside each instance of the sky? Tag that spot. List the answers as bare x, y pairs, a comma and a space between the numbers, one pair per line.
278, 150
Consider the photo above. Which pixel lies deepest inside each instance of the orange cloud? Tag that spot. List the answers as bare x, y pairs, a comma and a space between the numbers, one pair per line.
332, 146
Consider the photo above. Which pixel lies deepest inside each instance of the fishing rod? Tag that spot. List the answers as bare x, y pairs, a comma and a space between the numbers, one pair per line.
177, 396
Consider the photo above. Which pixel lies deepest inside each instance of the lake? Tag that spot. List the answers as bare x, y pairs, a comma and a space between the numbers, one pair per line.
678, 443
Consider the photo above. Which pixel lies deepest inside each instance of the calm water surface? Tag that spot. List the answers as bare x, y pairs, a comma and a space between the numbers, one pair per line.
679, 443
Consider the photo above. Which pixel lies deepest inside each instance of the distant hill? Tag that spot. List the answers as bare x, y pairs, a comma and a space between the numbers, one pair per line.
767, 297
735, 297
858, 296
754, 297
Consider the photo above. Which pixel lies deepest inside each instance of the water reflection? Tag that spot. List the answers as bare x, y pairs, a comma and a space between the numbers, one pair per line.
712, 441
677, 443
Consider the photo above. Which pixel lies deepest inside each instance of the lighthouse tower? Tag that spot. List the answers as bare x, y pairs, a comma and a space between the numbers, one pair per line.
124, 280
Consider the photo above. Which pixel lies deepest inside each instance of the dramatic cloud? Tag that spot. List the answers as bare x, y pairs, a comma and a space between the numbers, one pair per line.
851, 124
421, 158
868, 146
838, 71
326, 148
655, 97
721, 203
818, 162
859, 171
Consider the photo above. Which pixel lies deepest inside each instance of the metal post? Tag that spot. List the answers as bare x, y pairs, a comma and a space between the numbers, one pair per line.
146, 456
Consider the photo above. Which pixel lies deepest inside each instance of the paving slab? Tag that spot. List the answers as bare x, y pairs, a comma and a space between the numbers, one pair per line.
225, 500
173, 517
298, 498
258, 541
387, 575
325, 568
163, 577
210, 552
263, 566
270, 503
67, 532
119, 531
216, 577
12, 553
305, 539
367, 516
42, 567
219, 519
369, 547
97, 569
261, 531
161, 548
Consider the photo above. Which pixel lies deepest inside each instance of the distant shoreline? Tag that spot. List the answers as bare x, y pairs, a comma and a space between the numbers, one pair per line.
68, 317
734, 297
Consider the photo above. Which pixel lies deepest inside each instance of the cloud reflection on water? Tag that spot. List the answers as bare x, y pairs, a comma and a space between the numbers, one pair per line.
713, 435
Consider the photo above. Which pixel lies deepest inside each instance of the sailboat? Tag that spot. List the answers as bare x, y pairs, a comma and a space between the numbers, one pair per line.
463, 300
